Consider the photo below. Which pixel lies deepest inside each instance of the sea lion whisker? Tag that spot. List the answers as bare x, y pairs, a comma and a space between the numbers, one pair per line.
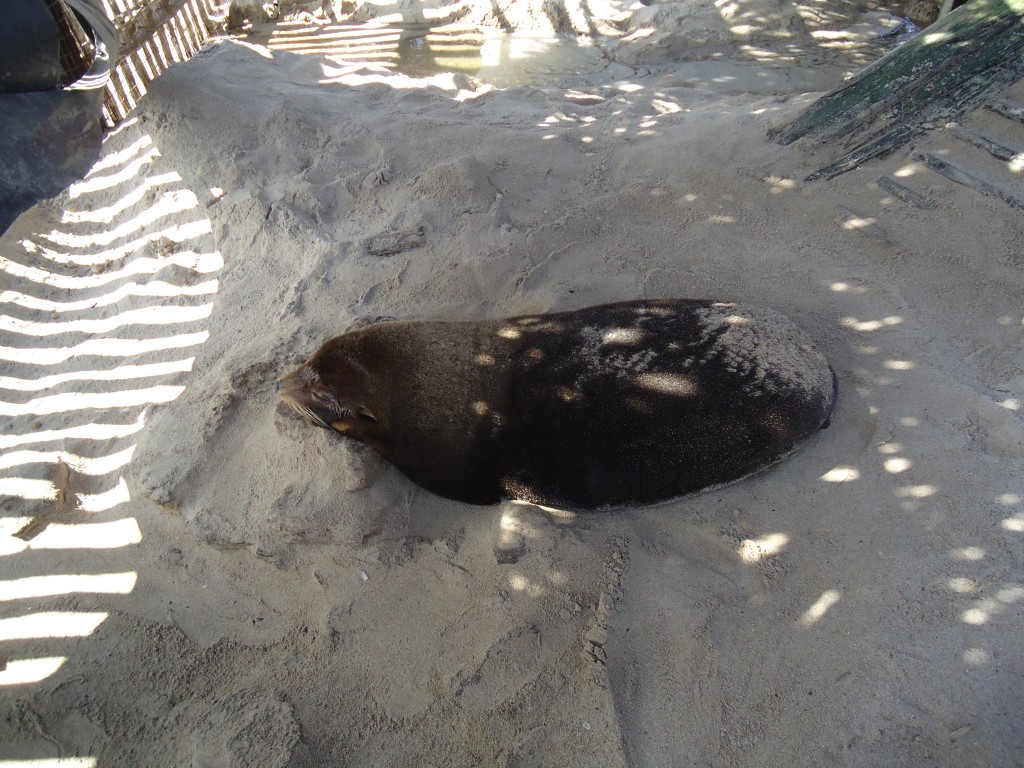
306, 412
315, 418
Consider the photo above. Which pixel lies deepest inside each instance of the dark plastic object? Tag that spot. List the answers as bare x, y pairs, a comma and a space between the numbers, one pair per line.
50, 138
29, 48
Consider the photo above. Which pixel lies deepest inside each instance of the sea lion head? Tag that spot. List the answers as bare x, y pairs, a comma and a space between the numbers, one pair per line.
330, 390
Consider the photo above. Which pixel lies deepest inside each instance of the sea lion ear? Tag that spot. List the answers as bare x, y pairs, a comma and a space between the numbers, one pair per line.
365, 413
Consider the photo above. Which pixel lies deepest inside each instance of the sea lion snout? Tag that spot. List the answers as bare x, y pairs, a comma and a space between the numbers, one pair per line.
298, 392
319, 399
302, 379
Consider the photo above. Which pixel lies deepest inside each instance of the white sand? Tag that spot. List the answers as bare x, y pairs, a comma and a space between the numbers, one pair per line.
234, 602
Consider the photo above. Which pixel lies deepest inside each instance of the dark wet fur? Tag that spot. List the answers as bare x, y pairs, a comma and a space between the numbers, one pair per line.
552, 419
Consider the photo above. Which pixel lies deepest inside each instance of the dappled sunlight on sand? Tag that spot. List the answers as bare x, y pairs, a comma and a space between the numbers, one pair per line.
752, 550
975, 598
95, 309
860, 571
389, 50
820, 607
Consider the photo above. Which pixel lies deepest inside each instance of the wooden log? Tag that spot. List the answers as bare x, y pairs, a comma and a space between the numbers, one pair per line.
879, 147
968, 179
936, 75
1006, 109
904, 193
994, 148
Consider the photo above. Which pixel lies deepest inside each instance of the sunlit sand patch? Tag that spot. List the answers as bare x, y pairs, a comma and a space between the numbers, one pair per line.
916, 491
112, 535
1015, 523
119, 373
821, 606
897, 465
51, 762
85, 465
986, 608
102, 348
24, 671
515, 524
97, 432
32, 587
974, 616
666, 107
101, 502
81, 401
962, 585
98, 183
170, 203
871, 325
898, 365
557, 578
51, 624
968, 553
120, 157
154, 288
143, 265
857, 222
520, 583
156, 315
779, 185
841, 475
753, 550
26, 488
106, 214
976, 657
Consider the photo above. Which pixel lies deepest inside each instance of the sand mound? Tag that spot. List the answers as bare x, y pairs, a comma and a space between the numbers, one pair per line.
216, 584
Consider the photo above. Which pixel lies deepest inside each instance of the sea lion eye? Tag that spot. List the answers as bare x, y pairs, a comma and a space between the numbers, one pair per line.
364, 413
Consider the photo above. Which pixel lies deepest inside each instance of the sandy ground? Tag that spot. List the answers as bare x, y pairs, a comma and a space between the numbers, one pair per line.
208, 583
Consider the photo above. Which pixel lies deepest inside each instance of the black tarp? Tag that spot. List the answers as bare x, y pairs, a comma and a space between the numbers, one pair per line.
29, 48
49, 137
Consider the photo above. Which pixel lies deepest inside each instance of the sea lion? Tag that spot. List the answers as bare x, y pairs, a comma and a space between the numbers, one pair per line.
614, 405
